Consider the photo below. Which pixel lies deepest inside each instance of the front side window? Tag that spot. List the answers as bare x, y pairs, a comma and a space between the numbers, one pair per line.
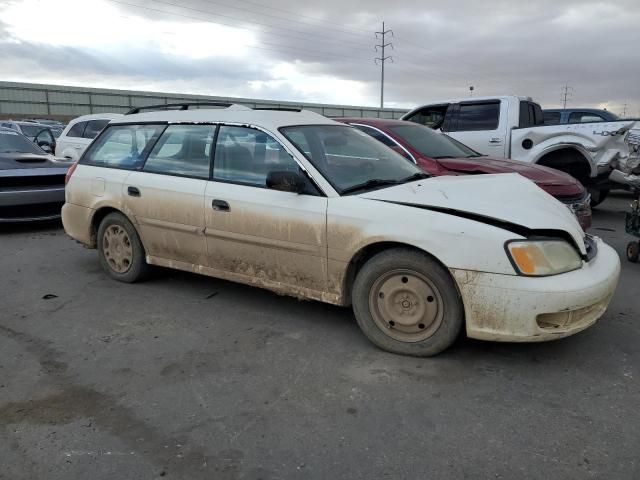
31, 130
77, 130
123, 146
246, 156
182, 150
94, 127
349, 159
478, 116
432, 117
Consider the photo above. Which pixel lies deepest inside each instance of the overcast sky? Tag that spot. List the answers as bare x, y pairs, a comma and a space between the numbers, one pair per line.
286, 50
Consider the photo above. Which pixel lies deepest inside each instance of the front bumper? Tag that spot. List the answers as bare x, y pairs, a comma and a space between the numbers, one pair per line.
513, 308
31, 203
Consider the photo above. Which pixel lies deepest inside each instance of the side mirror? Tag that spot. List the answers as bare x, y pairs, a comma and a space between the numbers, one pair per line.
285, 181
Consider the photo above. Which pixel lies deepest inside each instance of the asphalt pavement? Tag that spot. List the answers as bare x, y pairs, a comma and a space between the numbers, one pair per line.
189, 377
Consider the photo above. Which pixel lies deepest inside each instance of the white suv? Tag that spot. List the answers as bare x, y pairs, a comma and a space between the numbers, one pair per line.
79, 133
305, 206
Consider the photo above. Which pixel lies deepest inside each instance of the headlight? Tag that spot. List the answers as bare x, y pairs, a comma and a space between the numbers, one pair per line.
539, 258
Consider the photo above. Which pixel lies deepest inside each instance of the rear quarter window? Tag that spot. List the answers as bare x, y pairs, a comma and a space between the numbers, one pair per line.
123, 146
77, 130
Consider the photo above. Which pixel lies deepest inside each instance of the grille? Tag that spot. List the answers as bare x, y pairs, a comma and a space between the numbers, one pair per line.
31, 211
31, 181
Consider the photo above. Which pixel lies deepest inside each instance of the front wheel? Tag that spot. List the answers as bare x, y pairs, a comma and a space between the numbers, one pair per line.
633, 251
405, 302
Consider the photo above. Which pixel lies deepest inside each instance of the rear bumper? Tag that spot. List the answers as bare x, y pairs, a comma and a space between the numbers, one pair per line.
31, 203
513, 308
76, 221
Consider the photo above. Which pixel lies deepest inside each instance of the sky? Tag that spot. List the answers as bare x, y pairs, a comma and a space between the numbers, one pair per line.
324, 51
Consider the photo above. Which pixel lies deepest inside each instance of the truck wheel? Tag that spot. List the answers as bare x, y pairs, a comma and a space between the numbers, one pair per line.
120, 250
633, 251
407, 303
597, 196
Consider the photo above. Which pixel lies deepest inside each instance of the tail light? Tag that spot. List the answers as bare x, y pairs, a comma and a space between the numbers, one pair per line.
72, 169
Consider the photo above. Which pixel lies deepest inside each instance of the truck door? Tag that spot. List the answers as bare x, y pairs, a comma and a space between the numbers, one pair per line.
481, 125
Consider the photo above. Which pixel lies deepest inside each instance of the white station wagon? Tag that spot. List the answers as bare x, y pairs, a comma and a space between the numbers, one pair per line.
305, 206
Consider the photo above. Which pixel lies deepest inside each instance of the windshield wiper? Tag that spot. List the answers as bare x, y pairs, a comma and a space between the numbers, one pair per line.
414, 177
475, 155
374, 182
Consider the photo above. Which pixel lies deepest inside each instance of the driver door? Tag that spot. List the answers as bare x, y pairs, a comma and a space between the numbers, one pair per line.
263, 236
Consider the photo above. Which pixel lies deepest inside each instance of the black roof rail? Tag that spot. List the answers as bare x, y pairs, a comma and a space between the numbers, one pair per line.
177, 106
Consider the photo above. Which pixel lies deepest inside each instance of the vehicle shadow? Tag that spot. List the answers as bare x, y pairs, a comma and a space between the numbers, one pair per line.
30, 227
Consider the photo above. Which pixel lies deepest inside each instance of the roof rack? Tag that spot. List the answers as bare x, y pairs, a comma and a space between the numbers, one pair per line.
177, 106
281, 109
185, 106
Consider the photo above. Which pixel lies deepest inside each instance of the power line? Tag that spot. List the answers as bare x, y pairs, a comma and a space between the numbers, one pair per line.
297, 20
382, 59
310, 52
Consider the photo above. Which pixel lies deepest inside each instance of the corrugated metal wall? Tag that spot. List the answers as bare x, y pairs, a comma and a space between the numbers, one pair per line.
28, 100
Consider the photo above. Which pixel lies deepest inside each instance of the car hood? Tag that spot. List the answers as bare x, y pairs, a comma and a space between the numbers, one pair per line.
21, 161
537, 173
508, 201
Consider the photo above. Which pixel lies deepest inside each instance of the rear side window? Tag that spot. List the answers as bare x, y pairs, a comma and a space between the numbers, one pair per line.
77, 130
123, 146
246, 156
552, 118
530, 114
94, 127
477, 116
183, 150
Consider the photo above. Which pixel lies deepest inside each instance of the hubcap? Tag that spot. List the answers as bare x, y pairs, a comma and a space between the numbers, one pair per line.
117, 249
406, 305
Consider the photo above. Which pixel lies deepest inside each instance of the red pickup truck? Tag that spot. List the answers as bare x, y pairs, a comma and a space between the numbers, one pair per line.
439, 154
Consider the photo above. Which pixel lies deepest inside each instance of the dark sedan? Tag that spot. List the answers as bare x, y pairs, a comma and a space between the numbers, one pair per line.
31, 180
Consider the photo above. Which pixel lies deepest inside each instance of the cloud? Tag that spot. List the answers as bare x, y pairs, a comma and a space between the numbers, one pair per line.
324, 52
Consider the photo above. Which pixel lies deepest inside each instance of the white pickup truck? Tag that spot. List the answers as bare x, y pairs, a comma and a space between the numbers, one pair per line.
513, 127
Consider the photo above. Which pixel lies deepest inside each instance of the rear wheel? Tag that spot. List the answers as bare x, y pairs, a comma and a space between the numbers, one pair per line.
120, 250
406, 302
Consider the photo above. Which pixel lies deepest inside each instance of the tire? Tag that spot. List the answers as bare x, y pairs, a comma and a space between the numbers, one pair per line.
405, 302
633, 251
598, 196
120, 250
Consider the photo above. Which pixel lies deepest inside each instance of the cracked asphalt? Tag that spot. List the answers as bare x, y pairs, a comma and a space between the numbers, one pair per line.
188, 377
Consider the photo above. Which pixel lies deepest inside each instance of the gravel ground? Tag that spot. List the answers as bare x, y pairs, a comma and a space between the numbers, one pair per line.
189, 377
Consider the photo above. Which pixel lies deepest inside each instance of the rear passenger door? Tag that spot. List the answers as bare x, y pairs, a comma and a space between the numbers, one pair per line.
260, 234
167, 196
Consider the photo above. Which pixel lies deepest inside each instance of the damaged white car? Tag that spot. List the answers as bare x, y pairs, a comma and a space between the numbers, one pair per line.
304, 206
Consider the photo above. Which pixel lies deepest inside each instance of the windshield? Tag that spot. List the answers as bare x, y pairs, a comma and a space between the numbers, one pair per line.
432, 144
13, 142
349, 158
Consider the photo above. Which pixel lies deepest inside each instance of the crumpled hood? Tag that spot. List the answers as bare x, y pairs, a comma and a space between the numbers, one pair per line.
506, 197
537, 173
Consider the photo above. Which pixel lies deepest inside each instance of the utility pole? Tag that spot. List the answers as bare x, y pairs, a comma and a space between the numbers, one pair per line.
624, 111
382, 58
566, 94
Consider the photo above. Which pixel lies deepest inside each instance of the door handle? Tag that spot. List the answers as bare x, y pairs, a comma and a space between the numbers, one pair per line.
133, 192
495, 141
220, 205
